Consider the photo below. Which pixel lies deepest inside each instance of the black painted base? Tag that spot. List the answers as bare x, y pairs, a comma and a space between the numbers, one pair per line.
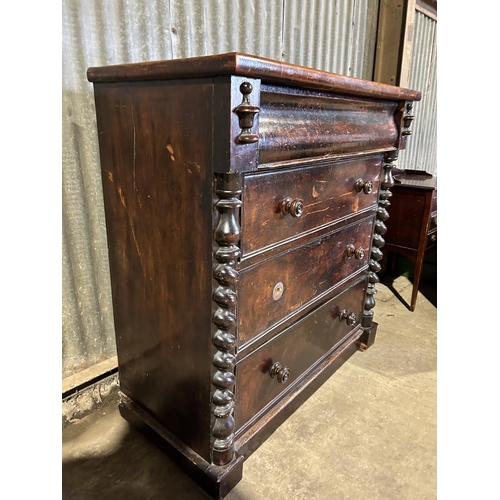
216, 481
368, 337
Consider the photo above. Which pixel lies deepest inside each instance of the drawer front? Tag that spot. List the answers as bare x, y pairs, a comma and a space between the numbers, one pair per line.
296, 348
432, 239
274, 289
327, 192
297, 126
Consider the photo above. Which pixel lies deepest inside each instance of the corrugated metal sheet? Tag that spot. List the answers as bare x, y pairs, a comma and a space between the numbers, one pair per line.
421, 152
332, 35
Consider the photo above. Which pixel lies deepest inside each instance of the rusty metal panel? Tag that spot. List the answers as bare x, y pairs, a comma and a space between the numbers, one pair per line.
332, 35
421, 151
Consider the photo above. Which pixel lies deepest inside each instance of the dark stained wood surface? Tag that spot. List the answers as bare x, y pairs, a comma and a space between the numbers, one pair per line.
327, 190
297, 126
195, 319
305, 272
412, 226
228, 154
157, 193
253, 436
217, 481
297, 348
406, 213
434, 201
235, 63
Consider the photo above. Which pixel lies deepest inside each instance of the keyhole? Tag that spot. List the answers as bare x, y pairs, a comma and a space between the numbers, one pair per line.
278, 290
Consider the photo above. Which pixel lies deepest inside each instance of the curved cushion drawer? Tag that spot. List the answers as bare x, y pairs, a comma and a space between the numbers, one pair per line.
298, 126
327, 190
274, 289
297, 348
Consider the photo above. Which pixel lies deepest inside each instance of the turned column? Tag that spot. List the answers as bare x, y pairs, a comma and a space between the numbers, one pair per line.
227, 235
369, 326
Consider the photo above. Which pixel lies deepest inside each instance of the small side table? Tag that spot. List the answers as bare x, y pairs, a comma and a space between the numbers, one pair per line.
412, 226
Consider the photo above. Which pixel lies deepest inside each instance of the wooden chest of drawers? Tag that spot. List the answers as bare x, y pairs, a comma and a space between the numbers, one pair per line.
245, 204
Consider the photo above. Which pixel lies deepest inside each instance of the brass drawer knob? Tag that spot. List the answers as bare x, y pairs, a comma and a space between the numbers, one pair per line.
282, 373
361, 185
293, 207
434, 237
358, 253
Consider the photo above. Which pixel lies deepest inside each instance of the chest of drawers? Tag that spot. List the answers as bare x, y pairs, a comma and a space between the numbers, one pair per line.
412, 230
245, 203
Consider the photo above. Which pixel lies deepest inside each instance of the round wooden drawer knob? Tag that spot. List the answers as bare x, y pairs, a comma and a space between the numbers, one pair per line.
358, 253
282, 373
293, 207
361, 185
350, 319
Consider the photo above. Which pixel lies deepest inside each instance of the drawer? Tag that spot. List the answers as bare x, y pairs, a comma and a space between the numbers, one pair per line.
326, 191
298, 126
274, 289
296, 348
431, 239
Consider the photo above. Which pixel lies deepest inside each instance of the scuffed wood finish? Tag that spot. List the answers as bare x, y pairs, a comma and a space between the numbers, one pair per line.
306, 273
297, 348
235, 63
156, 191
297, 126
245, 205
328, 192
229, 156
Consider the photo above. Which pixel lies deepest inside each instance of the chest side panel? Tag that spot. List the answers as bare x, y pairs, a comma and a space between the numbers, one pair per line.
156, 155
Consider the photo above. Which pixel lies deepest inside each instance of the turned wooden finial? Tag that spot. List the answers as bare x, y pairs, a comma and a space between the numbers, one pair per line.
246, 113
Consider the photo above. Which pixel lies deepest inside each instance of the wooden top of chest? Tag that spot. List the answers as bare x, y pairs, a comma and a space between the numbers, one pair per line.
235, 63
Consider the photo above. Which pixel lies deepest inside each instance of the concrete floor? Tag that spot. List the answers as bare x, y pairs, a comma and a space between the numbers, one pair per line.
368, 433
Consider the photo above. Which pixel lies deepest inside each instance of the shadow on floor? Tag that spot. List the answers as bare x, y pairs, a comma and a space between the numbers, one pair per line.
404, 267
135, 470
105, 458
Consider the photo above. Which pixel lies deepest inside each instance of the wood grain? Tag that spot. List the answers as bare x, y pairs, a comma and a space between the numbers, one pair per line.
235, 63
305, 272
326, 188
297, 348
156, 196
297, 126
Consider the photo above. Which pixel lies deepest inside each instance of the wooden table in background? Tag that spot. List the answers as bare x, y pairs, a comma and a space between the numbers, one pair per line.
412, 227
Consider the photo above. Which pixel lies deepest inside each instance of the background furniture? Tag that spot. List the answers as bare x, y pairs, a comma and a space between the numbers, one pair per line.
412, 230
245, 205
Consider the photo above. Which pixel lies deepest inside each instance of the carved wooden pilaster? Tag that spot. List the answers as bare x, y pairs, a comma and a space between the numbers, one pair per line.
377, 243
227, 235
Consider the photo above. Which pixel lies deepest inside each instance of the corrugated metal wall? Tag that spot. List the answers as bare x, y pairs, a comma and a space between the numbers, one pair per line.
421, 152
334, 35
